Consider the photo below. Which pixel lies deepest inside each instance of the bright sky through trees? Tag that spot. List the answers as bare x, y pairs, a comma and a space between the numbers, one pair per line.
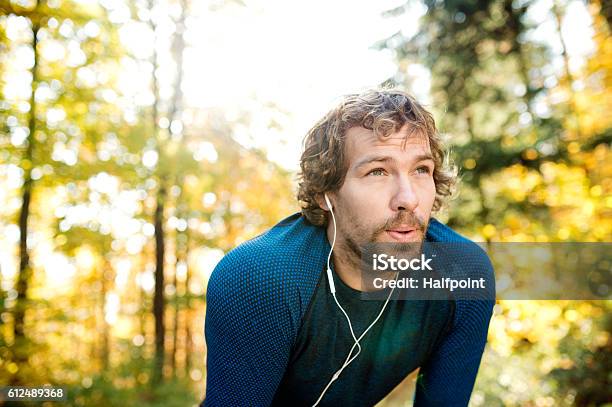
302, 56
296, 58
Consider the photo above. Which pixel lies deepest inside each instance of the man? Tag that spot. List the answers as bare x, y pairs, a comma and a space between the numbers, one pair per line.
276, 336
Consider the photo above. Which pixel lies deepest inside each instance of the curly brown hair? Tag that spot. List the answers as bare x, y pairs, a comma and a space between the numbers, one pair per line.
324, 165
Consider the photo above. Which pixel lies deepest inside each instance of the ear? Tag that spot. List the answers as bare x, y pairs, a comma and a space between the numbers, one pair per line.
321, 201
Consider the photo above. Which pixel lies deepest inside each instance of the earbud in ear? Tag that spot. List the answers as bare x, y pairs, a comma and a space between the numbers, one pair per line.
329, 205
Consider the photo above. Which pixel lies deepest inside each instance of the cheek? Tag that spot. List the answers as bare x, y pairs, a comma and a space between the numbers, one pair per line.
355, 208
358, 208
428, 194
363, 201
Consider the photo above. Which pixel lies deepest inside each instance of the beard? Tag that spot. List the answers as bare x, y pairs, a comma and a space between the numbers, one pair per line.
360, 239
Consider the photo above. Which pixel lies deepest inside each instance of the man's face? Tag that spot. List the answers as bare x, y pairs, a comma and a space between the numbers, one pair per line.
388, 192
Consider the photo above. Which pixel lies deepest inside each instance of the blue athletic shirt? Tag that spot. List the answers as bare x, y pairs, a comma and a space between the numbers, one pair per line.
275, 336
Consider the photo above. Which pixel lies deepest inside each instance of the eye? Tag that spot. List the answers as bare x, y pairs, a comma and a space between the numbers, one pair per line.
376, 171
424, 169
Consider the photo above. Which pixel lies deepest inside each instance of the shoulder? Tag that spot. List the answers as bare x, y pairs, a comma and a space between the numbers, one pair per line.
279, 255
279, 267
466, 259
254, 305
465, 254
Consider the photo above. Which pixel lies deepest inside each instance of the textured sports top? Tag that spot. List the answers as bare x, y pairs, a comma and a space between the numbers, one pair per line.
275, 335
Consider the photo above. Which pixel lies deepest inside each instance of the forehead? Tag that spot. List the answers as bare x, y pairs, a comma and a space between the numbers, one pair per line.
403, 144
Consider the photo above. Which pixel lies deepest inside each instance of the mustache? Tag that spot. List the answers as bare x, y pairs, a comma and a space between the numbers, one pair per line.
404, 218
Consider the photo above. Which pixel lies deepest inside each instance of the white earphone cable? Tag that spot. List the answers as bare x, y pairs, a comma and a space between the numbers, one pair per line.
349, 358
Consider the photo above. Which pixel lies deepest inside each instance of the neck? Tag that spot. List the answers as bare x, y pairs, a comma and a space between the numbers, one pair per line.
346, 266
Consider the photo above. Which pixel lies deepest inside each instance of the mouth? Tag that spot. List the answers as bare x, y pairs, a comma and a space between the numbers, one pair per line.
402, 234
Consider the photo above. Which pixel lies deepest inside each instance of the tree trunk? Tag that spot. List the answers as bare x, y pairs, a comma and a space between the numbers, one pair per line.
188, 316
174, 113
568, 74
158, 299
178, 48
104, 327
158, 220
25, 271
177, 251
142, 303
188, 319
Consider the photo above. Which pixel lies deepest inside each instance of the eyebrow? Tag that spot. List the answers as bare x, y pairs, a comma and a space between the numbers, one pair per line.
385, 158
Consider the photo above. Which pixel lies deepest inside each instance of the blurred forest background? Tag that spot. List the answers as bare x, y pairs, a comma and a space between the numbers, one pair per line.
116, 203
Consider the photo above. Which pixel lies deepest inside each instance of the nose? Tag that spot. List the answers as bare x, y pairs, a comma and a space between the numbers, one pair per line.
405, 197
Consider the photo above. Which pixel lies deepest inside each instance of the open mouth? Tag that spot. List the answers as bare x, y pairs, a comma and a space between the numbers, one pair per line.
402, 235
